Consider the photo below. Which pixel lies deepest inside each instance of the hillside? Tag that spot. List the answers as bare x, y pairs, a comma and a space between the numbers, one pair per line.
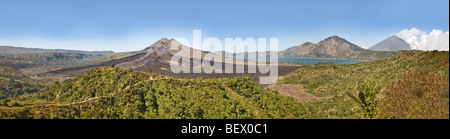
116, 93
392, 43
157, 58
14, 84
19, 57
408, 84
333, 48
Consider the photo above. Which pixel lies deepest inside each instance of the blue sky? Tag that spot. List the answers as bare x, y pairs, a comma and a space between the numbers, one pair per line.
129, 25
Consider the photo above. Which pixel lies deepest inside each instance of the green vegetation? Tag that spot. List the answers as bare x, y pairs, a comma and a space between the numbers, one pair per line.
101, 81
422, 93
408, 84
367, 99
407, 80
115, 93
14, 84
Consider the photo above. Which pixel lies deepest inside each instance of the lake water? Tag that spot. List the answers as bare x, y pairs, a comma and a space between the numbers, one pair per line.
306, 61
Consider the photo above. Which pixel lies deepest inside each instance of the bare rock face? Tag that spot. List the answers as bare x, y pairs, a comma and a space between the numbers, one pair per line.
392, 43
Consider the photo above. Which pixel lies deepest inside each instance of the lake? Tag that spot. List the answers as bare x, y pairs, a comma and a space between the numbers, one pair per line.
306, 60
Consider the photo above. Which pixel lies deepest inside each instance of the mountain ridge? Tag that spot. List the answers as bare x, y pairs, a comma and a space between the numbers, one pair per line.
21, 57
333, 47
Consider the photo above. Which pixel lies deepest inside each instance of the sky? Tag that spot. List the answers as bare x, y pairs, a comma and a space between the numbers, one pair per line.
131, 25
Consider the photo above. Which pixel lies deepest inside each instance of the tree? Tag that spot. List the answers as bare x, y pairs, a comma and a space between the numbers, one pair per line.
367, 99
112, 65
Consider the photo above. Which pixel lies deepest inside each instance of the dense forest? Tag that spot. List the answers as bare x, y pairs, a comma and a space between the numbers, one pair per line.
116, 93
14, 84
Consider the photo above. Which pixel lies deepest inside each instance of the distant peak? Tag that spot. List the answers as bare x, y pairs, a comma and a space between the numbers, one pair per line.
392, 43
335, 37
161, 43
163, 40
394, 36
307, 43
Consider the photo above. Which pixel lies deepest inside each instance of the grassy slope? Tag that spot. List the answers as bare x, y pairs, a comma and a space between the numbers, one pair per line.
332, 82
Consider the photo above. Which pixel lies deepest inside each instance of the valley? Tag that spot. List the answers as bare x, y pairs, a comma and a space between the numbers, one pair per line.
141, 85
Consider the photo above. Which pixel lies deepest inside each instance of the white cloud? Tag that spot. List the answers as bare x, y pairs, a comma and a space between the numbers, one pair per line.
420, 40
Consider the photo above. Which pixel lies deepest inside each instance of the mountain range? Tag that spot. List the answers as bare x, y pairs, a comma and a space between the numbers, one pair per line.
157, 57
333, 47
20, 57
334, 91
114, 87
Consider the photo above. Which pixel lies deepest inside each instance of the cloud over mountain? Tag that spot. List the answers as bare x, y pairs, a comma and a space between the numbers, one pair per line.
420, 40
